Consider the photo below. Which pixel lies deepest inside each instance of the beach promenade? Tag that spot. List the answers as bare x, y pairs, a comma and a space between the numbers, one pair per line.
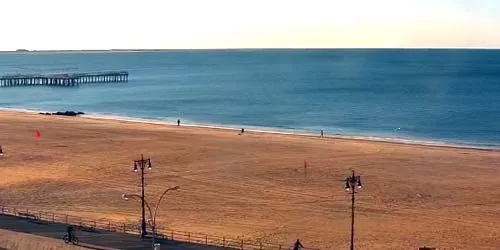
254, 186
91, 240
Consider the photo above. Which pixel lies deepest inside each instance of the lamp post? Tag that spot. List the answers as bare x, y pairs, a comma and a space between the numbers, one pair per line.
142, 164
152, 213
351, 182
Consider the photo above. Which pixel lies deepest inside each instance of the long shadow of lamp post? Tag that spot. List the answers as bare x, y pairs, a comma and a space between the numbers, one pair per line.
152, 213
351, 182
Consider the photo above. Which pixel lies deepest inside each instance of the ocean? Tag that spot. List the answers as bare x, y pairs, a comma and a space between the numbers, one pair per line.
442, 97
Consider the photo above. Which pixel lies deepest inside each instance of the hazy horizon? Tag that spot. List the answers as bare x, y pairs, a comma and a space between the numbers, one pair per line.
22, 50
258, 24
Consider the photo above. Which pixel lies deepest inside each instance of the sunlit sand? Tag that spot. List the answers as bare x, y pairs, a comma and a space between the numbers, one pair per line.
254, 185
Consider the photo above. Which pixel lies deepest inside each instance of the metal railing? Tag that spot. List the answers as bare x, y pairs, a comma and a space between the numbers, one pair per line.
94, 225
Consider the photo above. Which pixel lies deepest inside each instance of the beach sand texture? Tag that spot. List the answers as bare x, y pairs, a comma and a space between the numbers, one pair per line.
22, 241
255, 185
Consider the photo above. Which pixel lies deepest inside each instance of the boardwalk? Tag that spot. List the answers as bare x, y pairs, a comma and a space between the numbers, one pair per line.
94, 239
63, 80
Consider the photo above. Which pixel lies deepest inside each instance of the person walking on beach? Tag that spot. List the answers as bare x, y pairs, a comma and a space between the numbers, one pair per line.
322, 133
297, 245
242, 131
178, 122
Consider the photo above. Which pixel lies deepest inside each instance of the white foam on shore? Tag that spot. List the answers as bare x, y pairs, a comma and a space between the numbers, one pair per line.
20, 110
294, 132
257, 129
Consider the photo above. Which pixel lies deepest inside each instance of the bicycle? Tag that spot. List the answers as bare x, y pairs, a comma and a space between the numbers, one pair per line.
73, 239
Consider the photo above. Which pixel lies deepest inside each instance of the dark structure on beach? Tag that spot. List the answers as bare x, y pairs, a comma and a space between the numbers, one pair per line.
66, 113
63, 80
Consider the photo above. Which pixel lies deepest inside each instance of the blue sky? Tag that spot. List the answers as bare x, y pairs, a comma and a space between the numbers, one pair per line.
148, 24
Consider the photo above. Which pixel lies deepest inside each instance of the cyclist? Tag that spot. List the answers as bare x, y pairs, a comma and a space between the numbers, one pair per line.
70, 230
297, 245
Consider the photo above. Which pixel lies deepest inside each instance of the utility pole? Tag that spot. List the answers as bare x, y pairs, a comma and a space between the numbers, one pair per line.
351, 182
142, 164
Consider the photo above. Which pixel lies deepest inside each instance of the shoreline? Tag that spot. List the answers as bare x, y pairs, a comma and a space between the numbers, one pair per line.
255, 129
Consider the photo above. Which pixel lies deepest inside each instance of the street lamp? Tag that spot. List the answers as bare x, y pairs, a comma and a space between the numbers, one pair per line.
156, 209
351, 182
142, 164
152, 213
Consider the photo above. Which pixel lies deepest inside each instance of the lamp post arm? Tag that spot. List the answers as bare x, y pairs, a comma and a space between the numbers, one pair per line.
158, 204
138, 197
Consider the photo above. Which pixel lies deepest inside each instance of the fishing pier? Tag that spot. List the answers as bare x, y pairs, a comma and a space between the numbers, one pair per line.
63, 80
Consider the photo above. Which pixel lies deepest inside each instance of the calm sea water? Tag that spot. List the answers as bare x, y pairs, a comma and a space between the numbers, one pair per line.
440, 96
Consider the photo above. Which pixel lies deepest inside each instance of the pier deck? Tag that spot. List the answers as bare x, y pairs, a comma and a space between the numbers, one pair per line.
63, 80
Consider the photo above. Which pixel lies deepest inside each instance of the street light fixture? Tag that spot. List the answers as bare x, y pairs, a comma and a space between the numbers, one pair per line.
152, 214
142, 164
351, 182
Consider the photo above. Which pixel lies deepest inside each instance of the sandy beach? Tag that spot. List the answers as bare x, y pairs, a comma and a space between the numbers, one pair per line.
255, 185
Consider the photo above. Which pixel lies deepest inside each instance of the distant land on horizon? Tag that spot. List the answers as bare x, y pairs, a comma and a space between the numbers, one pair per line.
220, 49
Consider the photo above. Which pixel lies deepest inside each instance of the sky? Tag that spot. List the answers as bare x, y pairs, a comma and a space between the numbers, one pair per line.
202, 24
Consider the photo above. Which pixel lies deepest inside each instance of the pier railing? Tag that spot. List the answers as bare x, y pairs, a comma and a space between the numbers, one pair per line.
63, 79
93, 225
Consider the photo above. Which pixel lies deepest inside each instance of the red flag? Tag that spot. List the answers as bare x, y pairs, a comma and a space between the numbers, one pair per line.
37, 134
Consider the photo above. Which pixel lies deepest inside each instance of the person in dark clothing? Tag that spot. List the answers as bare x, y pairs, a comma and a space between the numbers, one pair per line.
1, 151
178, 122
70, 230
297, 245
